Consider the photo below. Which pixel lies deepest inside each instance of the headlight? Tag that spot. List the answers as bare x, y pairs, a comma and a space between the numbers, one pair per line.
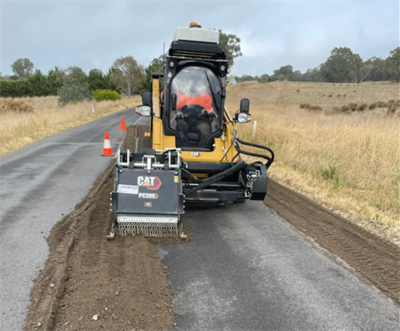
145, 111
243, 118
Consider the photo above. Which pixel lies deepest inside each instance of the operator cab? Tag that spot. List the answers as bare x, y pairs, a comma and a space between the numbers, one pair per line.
191, 105
196, 110
194, 87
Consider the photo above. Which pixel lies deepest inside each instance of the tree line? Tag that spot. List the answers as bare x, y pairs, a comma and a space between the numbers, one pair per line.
127, 77
72, 83
342, 66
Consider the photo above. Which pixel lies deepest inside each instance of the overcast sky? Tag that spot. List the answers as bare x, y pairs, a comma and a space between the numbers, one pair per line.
92, 34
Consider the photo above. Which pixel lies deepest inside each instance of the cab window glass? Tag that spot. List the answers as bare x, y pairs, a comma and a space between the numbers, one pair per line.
197, 104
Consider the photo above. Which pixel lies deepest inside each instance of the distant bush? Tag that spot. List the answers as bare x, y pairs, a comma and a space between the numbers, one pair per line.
315, 108
100, 95
309, 107
392, 102
331, 174
75, 87
362, 107
353, 106
73, 93
305, 106
11, 105
392, 106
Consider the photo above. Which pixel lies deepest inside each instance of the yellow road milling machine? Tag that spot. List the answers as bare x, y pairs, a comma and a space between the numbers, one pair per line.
192, 151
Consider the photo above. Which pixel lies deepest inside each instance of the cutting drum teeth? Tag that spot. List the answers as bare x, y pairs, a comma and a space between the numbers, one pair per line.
148, 227
148, 230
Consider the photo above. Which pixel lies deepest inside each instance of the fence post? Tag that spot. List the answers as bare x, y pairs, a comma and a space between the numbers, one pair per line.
254, 128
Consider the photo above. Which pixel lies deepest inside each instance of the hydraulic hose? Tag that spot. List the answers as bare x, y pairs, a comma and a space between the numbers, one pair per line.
269, 159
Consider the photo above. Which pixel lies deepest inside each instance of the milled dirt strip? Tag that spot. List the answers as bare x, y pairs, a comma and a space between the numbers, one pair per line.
89, 283
371, 257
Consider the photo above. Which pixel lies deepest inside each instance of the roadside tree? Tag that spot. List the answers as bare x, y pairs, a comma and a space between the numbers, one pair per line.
155, 66
296, 76
264, 78
393, 65
37, 84
22, 67
283, 73
98, 81
75, 87
342, 66
127, 75
55, 79
365, 70
230, 44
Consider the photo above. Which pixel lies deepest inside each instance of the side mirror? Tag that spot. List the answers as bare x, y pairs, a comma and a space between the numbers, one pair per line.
145, 108
245, 105
243, 115
146, 98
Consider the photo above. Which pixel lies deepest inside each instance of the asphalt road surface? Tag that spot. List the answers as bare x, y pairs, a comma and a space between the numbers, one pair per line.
39, 185
247, 269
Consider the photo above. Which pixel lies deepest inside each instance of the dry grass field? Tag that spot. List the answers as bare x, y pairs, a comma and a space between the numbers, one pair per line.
26, 120
346, 160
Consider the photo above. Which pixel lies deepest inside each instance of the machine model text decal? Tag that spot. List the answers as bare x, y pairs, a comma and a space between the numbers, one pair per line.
148, 196
150, 182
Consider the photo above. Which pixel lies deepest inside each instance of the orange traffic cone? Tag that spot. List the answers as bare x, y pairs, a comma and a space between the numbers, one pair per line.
123, 127
107, 150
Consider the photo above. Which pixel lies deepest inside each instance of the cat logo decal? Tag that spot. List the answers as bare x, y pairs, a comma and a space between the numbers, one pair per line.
150, 182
